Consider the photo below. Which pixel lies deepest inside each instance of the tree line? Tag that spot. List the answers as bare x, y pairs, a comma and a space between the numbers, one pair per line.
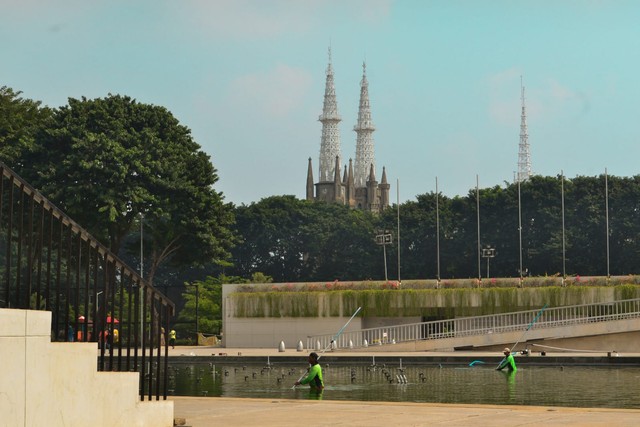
134, 177
296, 240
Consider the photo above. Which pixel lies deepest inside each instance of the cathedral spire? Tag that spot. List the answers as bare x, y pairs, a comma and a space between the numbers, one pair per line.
524, 156
364, 130
384, 189
309, 181
372, 175
337, 182
330, 141
351, 189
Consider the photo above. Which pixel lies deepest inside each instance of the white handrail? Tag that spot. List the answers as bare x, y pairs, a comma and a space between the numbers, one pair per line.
481, 325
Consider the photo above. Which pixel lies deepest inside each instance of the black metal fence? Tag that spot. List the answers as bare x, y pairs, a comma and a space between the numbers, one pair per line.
49, 262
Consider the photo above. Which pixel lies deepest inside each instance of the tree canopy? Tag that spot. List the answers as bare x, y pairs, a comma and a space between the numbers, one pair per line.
112, 162
294, 240
20, 121
297, 240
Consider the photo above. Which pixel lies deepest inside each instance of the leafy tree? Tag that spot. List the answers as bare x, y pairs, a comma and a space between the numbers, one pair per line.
624, 224
585, 218
110, 162
542, 225
342, 244
207, 296
20, 121
274, 238
296, 240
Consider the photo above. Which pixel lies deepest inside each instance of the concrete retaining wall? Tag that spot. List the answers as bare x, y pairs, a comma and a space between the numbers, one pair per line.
57, 384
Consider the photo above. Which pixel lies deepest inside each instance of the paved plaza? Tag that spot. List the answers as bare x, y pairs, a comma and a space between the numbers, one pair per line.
222, 411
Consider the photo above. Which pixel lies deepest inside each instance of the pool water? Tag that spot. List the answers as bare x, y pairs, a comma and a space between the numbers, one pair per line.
571, 386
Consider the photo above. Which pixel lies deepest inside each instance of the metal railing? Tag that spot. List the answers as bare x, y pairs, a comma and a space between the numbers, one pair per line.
481, 325
49, 262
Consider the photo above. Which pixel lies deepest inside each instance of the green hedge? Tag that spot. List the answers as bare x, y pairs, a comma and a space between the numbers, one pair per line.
402, 302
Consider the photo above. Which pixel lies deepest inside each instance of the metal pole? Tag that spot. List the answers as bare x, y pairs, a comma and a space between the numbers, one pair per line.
197, 299
141, 291
384, 251
606, 205
97, 303
398, 202
564, 270
488, 259
520, 229
478, 219
437, 232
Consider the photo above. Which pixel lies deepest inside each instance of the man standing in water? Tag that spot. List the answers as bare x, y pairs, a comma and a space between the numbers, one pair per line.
508, 362
314, 375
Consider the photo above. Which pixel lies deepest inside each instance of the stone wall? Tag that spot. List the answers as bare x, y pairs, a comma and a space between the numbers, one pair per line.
57, 384
391, 307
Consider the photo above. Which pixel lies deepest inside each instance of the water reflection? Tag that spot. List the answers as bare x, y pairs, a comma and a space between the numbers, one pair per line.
553, 386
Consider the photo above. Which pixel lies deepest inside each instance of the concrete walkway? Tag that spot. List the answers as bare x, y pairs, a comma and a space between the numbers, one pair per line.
211, 411
216, 411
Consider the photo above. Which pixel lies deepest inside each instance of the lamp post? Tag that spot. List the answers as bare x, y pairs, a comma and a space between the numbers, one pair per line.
140, 290
384, 238
520, 231
488, 253
437, 235
97, 302
398, 235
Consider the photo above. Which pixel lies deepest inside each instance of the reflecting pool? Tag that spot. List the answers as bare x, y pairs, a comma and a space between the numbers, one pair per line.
576, 386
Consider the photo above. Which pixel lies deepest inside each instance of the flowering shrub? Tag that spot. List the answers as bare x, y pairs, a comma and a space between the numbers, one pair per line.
496, 282
390, 285
382, 301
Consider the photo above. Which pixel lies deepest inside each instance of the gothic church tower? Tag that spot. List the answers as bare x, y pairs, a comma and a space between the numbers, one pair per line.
364, 130
357, 188
327, 189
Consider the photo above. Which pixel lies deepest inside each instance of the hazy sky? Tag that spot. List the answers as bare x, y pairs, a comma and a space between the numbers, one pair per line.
248, 76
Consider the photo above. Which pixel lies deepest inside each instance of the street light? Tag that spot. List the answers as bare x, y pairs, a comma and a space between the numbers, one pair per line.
384, 238
140, 290
97, 303
488, 253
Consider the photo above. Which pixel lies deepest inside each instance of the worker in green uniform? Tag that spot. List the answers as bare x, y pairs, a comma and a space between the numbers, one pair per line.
314, 374
508, 362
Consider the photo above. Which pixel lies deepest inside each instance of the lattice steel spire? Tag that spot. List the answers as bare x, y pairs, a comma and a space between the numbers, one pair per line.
330, 142
524, 156
365, 157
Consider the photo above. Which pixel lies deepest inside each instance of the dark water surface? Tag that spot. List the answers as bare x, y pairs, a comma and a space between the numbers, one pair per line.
572, 386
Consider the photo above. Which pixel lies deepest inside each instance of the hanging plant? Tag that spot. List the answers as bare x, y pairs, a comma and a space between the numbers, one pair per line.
452, 302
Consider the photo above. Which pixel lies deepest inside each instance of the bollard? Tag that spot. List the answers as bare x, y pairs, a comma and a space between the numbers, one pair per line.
365, 344
351, 344
281, 347
300, 347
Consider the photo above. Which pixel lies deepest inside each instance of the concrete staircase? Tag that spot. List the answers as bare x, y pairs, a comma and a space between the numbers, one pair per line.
57, 384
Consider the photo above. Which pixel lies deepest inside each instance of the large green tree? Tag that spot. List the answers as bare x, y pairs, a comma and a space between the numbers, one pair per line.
296, 240
111, 162
20, 121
